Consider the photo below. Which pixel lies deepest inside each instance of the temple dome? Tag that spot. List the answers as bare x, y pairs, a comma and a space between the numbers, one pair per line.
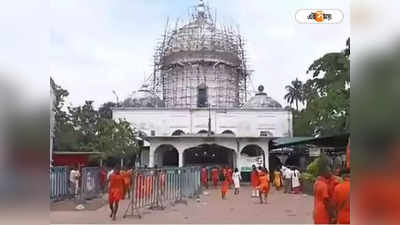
143, 98
201, 33
261, 101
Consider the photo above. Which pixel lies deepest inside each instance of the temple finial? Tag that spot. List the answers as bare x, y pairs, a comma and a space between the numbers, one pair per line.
201, 8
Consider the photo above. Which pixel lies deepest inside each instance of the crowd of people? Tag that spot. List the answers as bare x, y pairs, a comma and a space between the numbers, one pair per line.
332, 198
119, 183
290, 179
260, 180
331, 190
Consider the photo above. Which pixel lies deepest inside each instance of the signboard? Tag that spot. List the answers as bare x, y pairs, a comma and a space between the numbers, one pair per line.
246, 162
314, 152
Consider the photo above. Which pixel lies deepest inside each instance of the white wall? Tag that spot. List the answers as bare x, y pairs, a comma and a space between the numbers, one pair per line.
244, 123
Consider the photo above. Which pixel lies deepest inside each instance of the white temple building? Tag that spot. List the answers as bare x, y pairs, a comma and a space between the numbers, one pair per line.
196, 109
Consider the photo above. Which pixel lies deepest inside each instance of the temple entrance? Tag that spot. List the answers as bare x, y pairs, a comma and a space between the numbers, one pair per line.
209, 155
166, 155
249, 156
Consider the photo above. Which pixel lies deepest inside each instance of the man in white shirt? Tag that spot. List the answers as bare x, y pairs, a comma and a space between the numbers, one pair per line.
74, 180
296, 181
287, 179
290, 174
108, 177
109, 174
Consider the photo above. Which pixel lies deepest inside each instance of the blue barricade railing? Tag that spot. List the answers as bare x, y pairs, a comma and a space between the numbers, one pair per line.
154, 188
61, 188
59, 183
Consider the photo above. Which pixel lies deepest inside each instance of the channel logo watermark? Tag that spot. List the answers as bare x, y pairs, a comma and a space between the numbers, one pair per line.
319, 16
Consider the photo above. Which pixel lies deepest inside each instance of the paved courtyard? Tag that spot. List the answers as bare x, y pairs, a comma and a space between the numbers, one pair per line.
236, 209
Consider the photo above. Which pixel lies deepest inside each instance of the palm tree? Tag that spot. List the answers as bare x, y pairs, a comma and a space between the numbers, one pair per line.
295, 93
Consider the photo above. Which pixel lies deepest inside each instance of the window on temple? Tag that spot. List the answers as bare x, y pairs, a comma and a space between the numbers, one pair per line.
202, 97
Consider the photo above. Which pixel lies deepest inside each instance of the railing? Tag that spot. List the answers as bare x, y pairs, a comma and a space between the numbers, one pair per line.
61, 188
154, 188
59, 183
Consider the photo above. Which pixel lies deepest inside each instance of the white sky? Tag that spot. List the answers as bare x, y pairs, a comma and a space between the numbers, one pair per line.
97, 46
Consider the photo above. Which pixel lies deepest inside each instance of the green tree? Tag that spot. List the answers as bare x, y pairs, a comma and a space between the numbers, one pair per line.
295, 93
105, 110
84, 128
117, 139
327, 95
65, 137
85, 119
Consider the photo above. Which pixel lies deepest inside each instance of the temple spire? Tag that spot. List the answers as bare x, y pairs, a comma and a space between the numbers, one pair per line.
201, 9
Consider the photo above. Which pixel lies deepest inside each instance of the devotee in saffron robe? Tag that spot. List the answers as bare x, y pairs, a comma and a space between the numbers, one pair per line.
277, 179
341, 198
263, 187
224, 171
204, 177
215, 176
225, 186
116, 192
230, 173
254, 182
321, 201
127, 181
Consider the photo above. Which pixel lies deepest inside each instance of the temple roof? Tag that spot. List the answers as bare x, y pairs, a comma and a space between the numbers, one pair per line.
261, 100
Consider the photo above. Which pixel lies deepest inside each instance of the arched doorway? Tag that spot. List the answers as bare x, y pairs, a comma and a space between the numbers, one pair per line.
178, 133
166, 155
228, 132
204, 132
209, 155
255, 152
250, 155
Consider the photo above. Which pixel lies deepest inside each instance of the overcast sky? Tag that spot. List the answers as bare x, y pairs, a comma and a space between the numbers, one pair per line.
97, 46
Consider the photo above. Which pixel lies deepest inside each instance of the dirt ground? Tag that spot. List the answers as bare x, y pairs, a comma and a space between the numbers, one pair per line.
236, 209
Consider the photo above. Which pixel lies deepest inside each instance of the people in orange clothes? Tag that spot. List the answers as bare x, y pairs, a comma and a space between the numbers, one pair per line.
263, 187
341, 198
127, 175
224, 171
322, 213
254, 182
116, 191
122, 172
229, 174
332, 181
204, 177
215, 176
225, 186
277, 179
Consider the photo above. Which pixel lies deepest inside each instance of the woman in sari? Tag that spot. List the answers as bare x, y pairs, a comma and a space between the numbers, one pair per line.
277, 179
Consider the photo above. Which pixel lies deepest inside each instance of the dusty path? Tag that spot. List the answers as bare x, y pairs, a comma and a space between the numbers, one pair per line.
282, 208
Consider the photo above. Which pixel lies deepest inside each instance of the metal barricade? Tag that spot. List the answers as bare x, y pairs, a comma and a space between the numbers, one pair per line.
90, 183
59, 183
154, 188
